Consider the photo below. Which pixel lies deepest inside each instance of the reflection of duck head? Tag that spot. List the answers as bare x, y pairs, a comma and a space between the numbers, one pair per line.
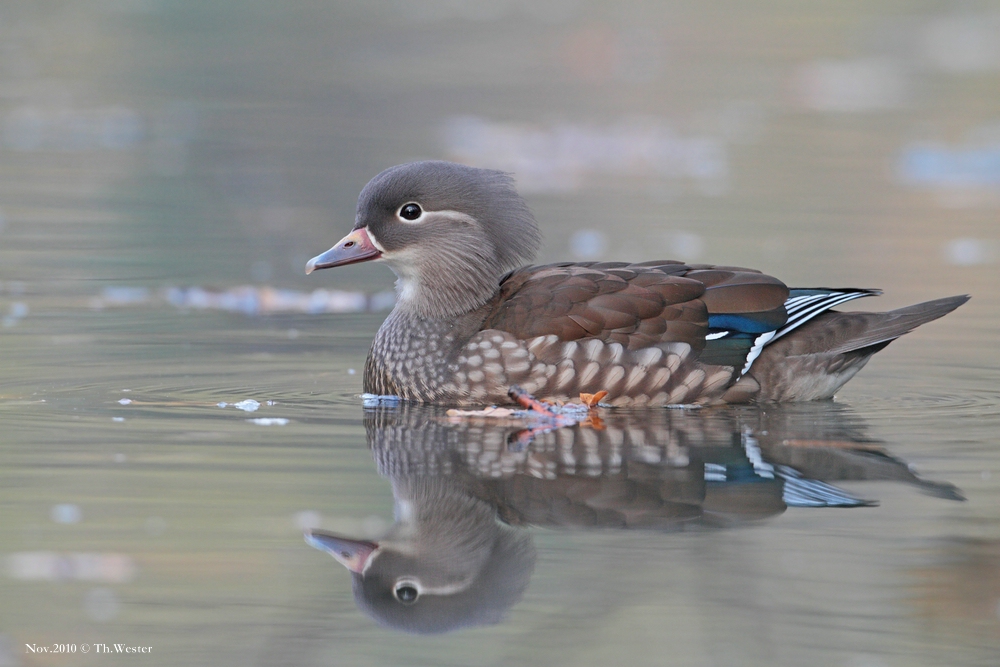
446, 563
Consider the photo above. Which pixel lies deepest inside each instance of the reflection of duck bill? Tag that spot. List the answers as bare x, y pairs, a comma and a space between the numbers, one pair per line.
355, 555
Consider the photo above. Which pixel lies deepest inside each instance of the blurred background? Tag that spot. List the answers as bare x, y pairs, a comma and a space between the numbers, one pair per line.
167, 167
159, 141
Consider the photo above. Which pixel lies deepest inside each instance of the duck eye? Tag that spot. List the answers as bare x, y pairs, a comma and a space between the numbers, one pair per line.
406, 593
410, 211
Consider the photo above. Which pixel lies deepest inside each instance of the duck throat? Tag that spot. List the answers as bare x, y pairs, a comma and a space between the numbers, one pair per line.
448, 285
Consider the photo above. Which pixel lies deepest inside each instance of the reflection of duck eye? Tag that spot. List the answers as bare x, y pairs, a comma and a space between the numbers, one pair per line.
406, 593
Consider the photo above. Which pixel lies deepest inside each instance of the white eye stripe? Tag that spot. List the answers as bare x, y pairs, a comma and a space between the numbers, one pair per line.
457, 216
426, 215
445, 589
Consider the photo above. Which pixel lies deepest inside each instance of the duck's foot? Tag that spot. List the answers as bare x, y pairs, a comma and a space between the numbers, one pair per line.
548, 417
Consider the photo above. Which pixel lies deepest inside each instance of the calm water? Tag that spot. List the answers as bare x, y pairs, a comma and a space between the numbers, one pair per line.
178, 402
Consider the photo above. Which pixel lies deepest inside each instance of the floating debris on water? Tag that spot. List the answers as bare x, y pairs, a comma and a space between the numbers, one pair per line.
66, 513
962, 175
74, 566
247, 405
860, 85
970, 252
253, 301
120, 296
17, 311
248, 299
536, 416
375, 400
269, 421
493, 411
934, 164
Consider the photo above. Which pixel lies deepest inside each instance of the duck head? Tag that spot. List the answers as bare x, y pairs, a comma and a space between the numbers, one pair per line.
449, 232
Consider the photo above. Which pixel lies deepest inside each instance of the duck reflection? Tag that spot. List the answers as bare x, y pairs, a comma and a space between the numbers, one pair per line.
459, 554
447, 562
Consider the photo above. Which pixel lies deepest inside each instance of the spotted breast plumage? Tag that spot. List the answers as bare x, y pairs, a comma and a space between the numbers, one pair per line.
470, 320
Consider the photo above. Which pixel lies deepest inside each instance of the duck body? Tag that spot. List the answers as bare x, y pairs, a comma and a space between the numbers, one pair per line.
470, 320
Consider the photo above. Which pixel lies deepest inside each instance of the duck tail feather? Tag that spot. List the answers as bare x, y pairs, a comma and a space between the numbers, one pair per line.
879, 329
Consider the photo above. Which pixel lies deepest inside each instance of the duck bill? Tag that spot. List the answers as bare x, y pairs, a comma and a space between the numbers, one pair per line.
352, 554
353, 248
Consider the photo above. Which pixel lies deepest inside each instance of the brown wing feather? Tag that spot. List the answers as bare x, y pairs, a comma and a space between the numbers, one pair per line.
735, 290
636, 305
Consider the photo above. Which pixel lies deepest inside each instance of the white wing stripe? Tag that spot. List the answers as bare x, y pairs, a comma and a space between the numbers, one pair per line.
800, 310
802, 316
824, 304
802, 302
754, 352
812, 311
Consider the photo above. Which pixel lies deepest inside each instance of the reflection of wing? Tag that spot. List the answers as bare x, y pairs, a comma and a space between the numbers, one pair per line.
839, 463
802, 492
662, 471
827, 442
646, 469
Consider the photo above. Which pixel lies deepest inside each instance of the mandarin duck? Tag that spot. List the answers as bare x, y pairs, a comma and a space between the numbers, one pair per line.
471, 319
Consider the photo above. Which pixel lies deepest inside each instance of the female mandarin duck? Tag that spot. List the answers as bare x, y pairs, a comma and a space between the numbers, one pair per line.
470, 320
